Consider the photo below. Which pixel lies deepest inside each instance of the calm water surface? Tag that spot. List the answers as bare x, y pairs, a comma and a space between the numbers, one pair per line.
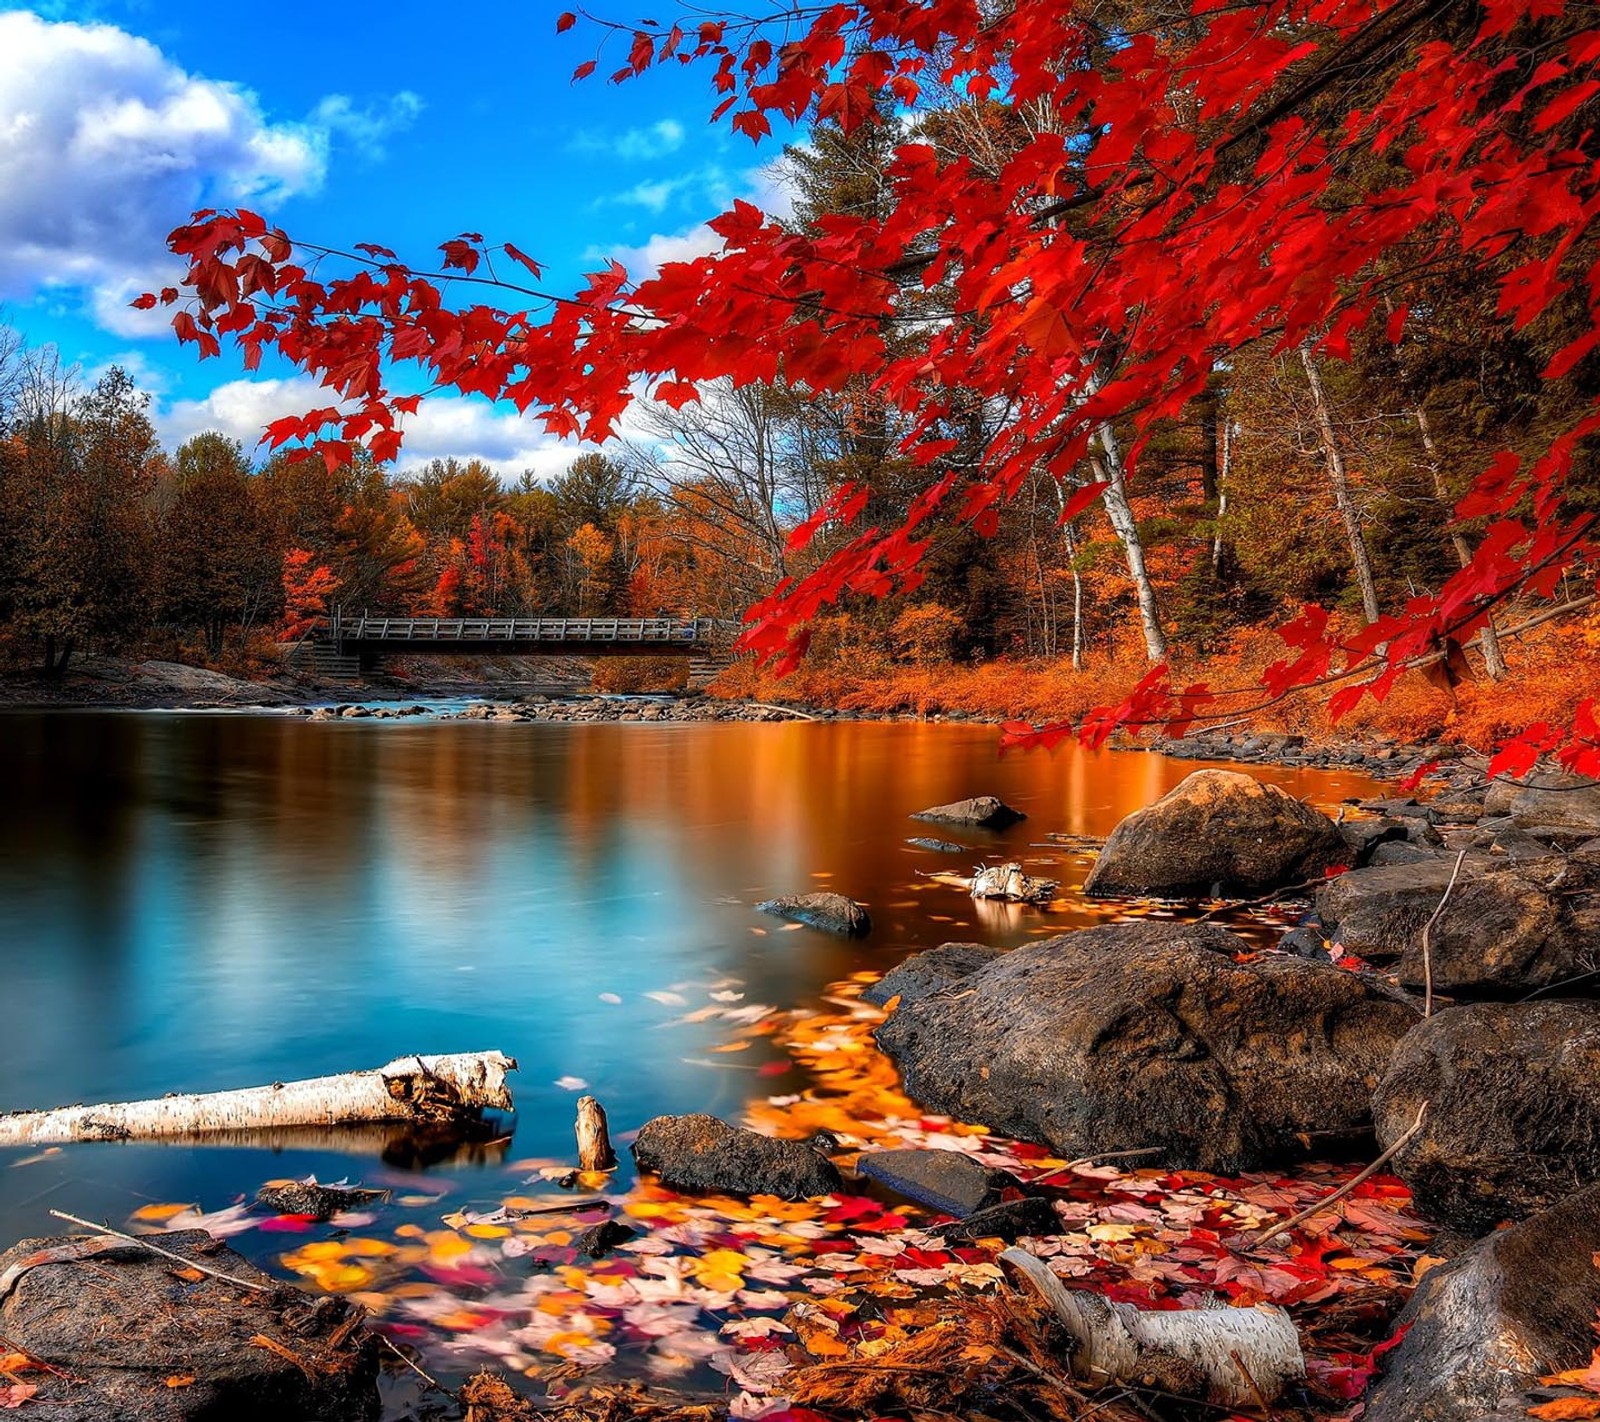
195, 902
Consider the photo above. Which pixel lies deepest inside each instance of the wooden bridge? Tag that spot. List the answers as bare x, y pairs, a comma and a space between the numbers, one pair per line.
348, 645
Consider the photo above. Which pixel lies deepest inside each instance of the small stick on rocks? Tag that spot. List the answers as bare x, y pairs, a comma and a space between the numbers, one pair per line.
594, 1139
1349, 1185
140, 1242
1427, 940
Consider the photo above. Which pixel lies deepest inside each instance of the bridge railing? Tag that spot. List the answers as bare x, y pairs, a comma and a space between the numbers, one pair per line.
344, 628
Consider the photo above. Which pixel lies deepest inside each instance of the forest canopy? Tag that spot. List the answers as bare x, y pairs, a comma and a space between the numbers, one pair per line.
1300, 295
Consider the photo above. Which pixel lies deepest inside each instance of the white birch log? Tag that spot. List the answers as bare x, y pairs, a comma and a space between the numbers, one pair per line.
444, 1088
1247, 1356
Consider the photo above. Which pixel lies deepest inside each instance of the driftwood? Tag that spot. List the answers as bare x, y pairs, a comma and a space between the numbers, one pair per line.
1236, 1357
419, 1089
594, 1139
1003, 881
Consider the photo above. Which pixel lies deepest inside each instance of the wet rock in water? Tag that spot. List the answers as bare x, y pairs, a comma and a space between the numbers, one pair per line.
943, 1180
832, 913
923, 974
1563, 808
599, 1240
1010, 1221
987, 811
1513, 1119
939, 846
1151, 1035
314, 1201
1217, 832
1484, 1328
1534, 925
699, 1152
121, 1322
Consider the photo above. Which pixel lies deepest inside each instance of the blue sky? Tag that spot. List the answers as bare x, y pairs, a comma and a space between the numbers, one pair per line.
402, 124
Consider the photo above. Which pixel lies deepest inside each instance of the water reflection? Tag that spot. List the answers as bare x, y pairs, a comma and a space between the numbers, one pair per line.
202, 902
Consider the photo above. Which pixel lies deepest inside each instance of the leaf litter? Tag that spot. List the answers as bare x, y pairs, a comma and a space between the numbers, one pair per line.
850, 1304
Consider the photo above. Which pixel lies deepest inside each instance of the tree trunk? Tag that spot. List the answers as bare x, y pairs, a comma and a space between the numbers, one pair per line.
594, 1138
1494, 661
1341, 488
1120, 513
1071, 540
1224, 463
447, 1088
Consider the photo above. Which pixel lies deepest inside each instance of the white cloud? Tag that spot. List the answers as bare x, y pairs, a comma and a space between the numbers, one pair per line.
106, 145
646, 259
363, 129
762, 186
656, 140
444, 427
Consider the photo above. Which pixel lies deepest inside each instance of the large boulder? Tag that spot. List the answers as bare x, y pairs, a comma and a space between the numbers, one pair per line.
121, 1326
1563, 808
832, 913
1151, 1034
1513, 1120
1534, 926
1482, 1329
699, 1152
985, 811
1374, 912
923, 974
1217, 833
1508, 926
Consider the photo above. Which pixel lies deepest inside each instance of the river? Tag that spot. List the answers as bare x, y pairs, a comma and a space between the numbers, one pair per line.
202, 901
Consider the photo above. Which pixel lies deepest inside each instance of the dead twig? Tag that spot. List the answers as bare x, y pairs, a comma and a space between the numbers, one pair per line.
139, 1241
1427, 940
1349, 1185
390, 1345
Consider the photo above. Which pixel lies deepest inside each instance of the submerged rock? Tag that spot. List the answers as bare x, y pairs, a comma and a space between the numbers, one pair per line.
923, 974
938, 846
1513, 1119
1151, 1035
988, 811
1217, 833
120, 1322
1482, 1329
699, 1152
943, 1180
832, 913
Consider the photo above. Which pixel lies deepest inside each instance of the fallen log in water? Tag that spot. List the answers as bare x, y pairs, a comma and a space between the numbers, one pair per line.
417, 1089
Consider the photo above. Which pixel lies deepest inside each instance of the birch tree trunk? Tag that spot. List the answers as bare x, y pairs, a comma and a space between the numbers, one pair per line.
1070, 538
1224, 463
1494, 661
1120, 512
1341, 488
446, 1088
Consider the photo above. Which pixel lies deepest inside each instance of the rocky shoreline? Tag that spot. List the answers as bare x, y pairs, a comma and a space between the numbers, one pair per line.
1438, 1002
